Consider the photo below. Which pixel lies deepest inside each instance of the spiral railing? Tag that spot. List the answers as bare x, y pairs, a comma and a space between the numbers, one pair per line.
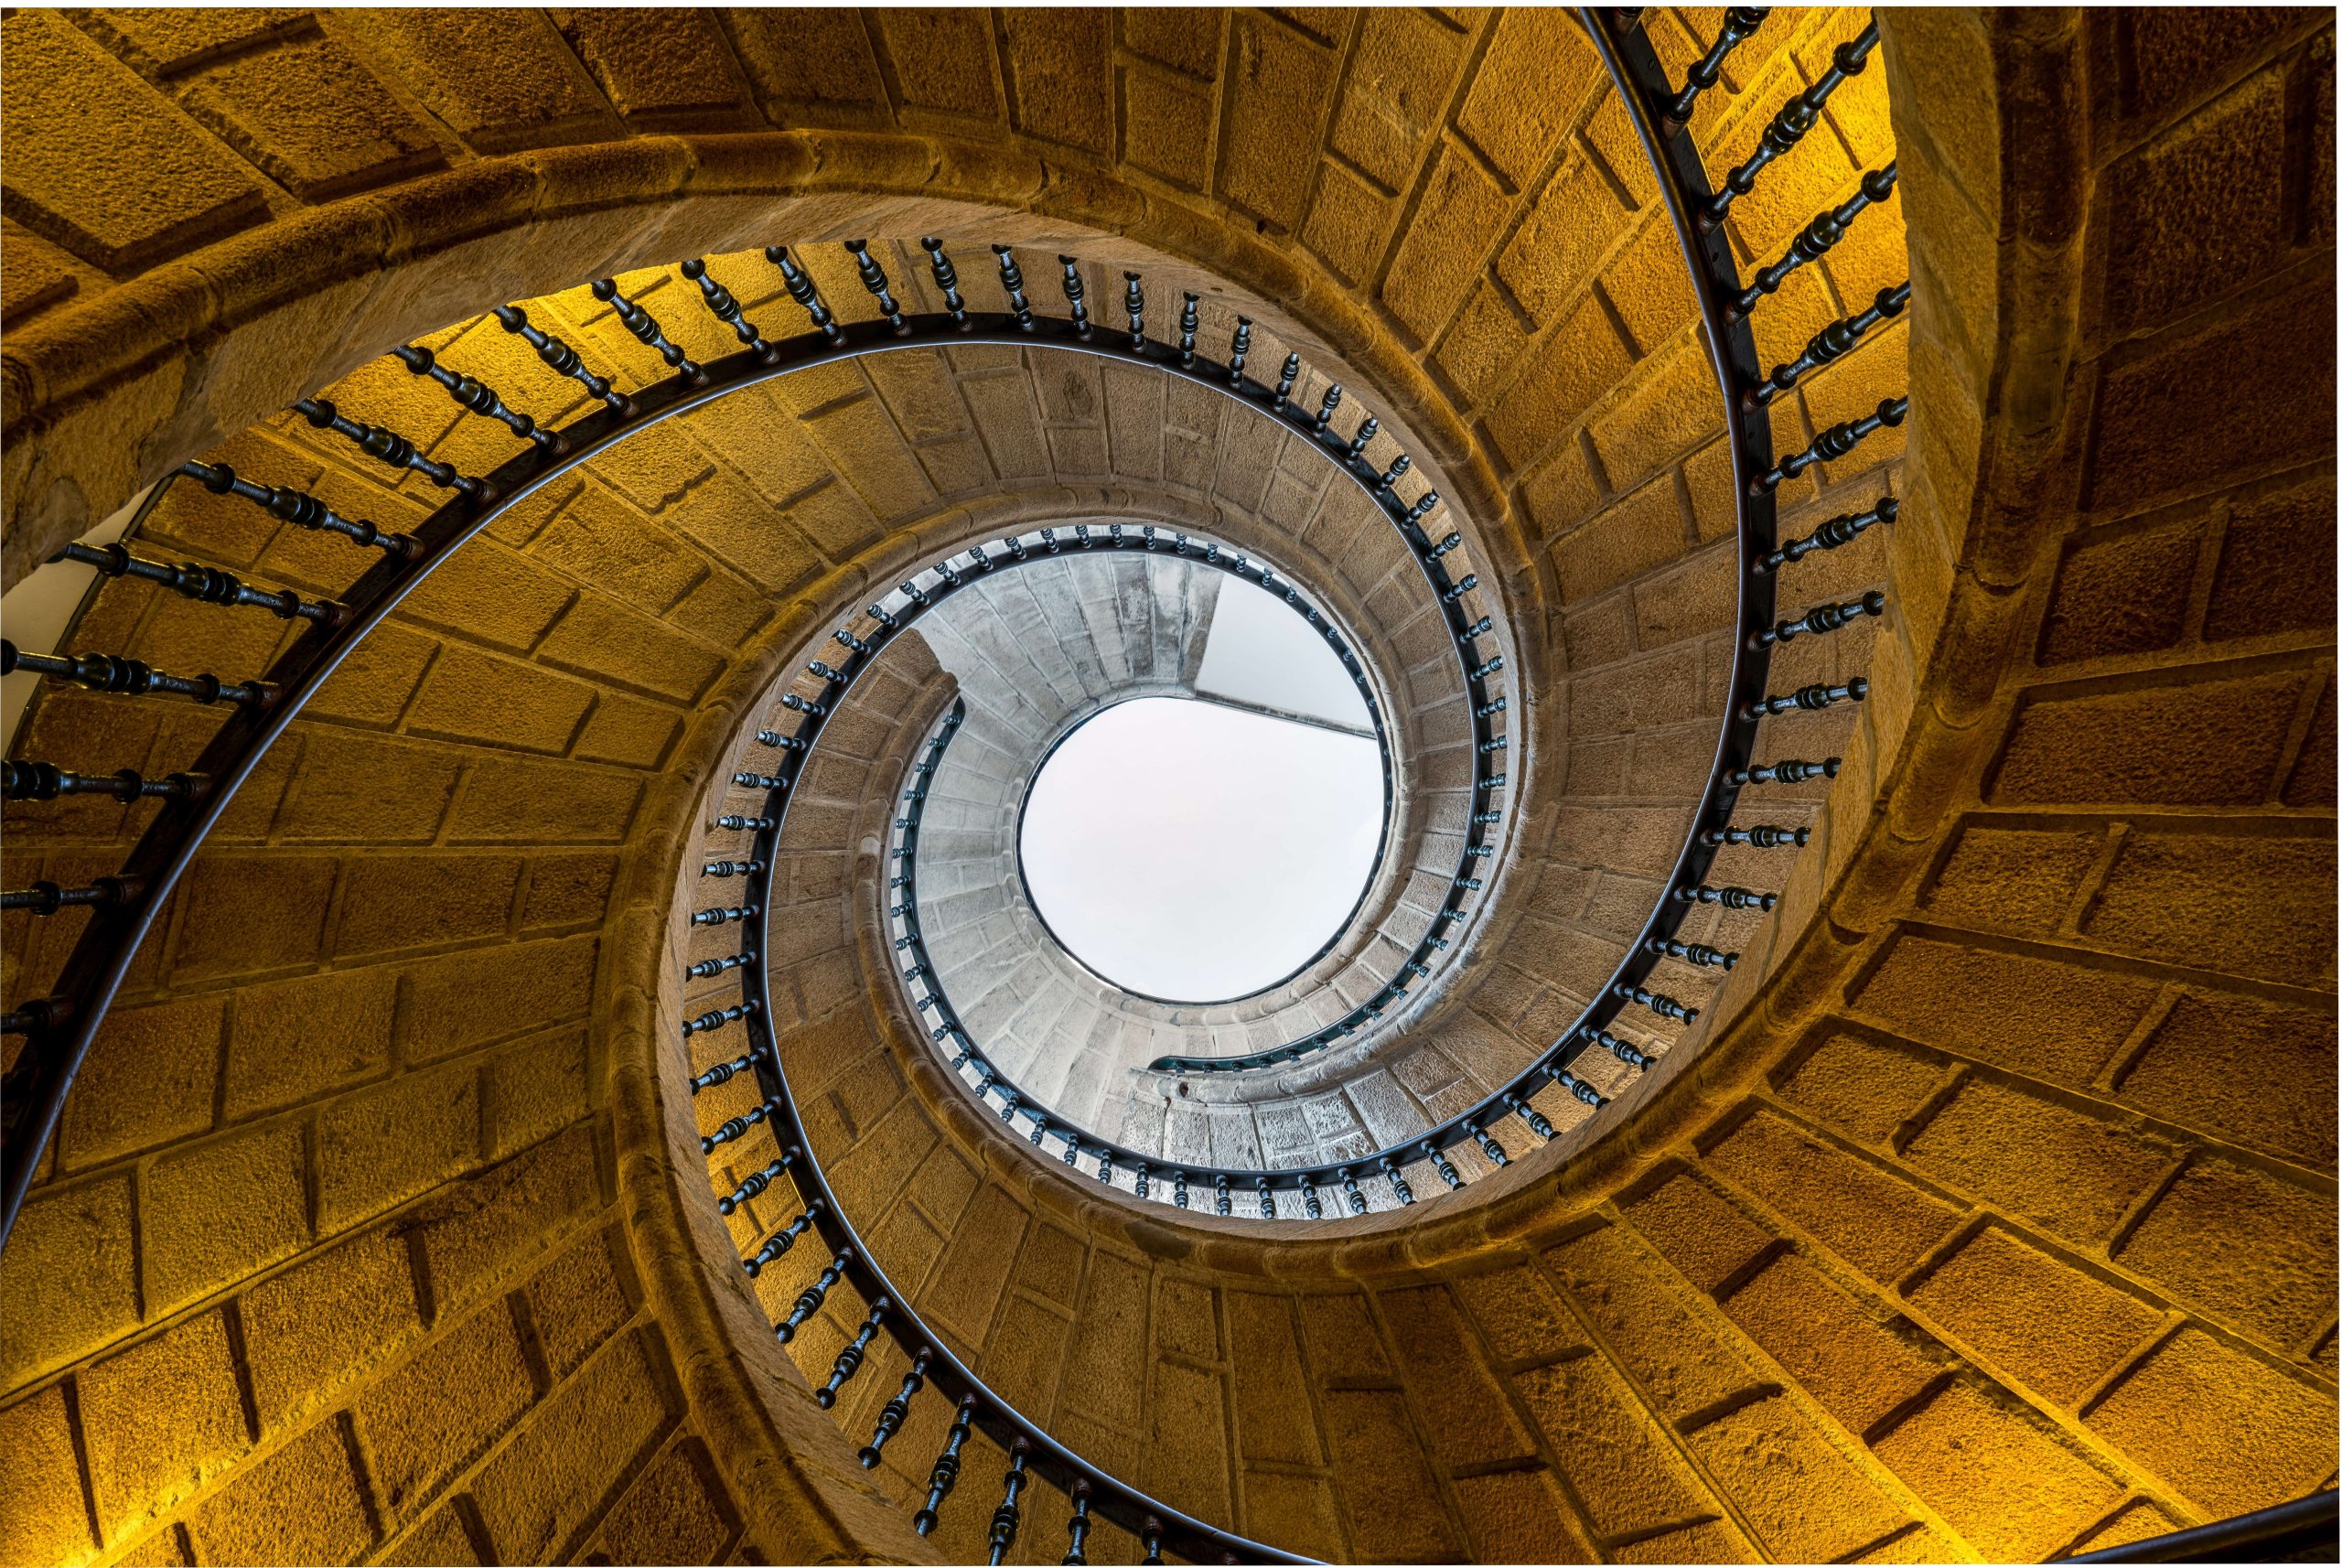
1661, 115
58, 1028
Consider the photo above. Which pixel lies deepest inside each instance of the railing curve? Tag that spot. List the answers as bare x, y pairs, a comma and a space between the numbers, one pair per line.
60, 1027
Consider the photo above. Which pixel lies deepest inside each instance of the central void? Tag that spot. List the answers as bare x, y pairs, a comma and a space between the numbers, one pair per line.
1201, 849
1194, 851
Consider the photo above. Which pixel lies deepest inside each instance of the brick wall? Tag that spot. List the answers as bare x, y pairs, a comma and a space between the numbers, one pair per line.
2001, 964
1999, 1220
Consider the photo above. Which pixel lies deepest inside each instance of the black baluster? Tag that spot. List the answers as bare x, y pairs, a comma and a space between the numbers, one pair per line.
48, 1012
1665, 1006
385, 446
1074, 306
1286, 377
1390, 1168
1012, 283
777, 1246
1135, 306
1106, 1166
1489, 1146
647, 330
1349, 1190
1179, 1189
1325, 407
707, 967
738, 1126
1790, 124
721, 916
1809, 698
1574, 1085
1439, 1161
721, 1073
1825, 618
475, 395
1530, 1114
1076, 1529
873, 278
49, 897
1833, 443
947, 278
206, 585
1268, 1199
810, 1301
1814, 243
1728, 898
1188, 323
1309, 1201
757, 1184
849, 1359
1698, 954
1422, 510
1150, 1537
801, 289
1615, 1047
731, 867
46, 781
1140, 1176
891, 1417
717, 1018
289, 505
726, 309
1366, 432
1739, 22
1762, 836
946, 1473
562, 359
1837, 338
1004, 1517
1239, 345
117, 676
1394, 473
1219, 1192
1839, 530
1789, 770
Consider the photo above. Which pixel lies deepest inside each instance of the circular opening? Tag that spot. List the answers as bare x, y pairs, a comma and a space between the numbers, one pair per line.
1191, 851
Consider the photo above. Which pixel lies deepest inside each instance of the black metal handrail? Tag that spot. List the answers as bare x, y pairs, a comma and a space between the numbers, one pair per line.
1724, 311
61, 1027
1696, 213
2302, 1530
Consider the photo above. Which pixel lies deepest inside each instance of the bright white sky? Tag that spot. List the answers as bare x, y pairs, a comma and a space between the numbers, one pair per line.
1262, 651
1198, 853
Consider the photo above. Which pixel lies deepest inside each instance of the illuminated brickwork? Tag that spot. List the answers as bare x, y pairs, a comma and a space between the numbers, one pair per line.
1990, 1212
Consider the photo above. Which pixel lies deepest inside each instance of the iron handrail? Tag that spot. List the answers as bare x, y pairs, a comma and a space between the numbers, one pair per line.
61, 1027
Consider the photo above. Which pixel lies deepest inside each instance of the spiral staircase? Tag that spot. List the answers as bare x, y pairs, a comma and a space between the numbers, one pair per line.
526, 1036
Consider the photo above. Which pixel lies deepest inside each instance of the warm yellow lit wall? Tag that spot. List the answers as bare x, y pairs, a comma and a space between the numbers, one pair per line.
1999, 1218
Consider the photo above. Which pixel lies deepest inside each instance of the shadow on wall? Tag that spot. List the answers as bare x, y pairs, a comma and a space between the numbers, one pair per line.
2001, 1222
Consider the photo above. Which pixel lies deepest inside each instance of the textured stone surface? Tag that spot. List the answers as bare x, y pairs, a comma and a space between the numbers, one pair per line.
2054, 976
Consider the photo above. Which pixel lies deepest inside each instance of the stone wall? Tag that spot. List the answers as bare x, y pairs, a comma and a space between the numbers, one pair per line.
2020, 1109
1998, 1218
